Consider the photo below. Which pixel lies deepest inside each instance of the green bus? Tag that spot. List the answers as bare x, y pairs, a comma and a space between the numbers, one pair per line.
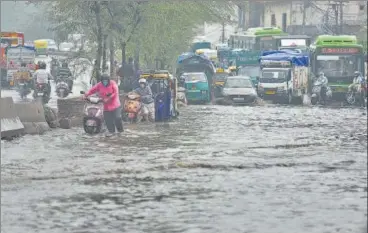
255, 39
338, 57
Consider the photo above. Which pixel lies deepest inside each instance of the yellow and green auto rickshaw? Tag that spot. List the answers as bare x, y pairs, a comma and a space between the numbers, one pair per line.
218, 81
164, 89
41, 47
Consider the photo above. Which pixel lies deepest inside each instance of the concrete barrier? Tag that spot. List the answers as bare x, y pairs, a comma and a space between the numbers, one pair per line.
32, 116
70, 112
11, 126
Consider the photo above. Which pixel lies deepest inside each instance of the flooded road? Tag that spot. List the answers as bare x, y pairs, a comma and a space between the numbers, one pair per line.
268, 169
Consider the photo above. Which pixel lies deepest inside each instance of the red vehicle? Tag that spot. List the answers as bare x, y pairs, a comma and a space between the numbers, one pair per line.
12, 38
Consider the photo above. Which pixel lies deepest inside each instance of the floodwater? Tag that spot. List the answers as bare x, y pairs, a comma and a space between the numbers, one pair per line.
269, 169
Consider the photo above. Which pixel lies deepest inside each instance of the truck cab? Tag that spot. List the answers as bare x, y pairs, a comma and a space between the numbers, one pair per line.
275, 83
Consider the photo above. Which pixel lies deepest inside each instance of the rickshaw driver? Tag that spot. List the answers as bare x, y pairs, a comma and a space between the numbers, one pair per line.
148, 105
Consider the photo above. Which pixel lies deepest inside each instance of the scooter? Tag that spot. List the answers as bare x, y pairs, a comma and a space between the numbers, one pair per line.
62, 88
93, 115
320, 93
357, 96
132, 106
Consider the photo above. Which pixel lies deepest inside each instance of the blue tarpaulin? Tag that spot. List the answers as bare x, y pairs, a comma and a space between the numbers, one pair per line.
286, 55
184, 56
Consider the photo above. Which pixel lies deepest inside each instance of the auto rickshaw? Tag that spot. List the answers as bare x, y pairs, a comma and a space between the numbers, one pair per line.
164, 88
219, 81
41, 47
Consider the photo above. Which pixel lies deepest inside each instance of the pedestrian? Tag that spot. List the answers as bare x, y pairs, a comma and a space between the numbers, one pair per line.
108, 90
127, 75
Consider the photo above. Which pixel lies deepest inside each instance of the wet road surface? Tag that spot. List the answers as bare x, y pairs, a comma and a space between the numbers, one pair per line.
269, 169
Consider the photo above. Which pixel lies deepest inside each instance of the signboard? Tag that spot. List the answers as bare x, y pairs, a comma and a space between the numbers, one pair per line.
265, 38
293, 42
340, 50
247, 58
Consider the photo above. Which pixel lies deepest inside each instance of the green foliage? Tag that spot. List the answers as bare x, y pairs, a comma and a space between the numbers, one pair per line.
161, 29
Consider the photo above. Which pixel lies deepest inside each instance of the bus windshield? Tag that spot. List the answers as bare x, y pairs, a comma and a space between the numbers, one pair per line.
338, 65
266, 43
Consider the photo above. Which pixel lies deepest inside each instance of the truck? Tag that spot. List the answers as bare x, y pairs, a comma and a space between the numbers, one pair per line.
284, 77
14, 57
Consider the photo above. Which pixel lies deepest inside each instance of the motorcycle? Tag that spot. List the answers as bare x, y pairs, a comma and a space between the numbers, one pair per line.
62, 88
357, 95
23, 89
132, 106
320, 93
93, 115
42, 92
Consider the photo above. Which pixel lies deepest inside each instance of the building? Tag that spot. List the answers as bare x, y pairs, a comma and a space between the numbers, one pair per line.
296, 16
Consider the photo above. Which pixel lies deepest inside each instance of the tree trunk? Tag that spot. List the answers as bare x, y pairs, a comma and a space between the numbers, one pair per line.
112, 65
104, 55
123, 52
97, 10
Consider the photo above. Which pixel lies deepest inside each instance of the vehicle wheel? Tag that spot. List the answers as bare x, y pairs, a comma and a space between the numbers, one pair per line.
350, 98
314, 100
92, 129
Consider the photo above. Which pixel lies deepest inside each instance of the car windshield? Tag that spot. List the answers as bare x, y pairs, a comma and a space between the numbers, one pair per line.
251, 71
276, 76
238, 83
191, 77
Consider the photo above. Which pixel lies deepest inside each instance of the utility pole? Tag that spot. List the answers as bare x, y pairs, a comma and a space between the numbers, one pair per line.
304, 15
334, 6
341, 18
223, 32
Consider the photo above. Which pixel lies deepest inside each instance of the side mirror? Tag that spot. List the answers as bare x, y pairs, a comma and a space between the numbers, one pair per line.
82, 92
48, 78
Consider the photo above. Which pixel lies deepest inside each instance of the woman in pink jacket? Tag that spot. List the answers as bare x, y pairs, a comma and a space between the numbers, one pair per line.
108, 90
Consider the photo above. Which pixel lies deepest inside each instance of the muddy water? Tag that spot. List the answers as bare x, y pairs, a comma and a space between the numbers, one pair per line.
267, 169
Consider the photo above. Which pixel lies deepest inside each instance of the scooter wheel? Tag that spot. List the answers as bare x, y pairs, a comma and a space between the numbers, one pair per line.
92, 129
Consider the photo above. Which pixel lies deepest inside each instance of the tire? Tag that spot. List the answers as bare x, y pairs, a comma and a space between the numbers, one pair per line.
92, 130
350, 98
314, 100
289, 98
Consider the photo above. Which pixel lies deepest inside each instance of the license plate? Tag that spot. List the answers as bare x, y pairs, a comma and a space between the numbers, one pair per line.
91, 123
238, 99
339, 89
270, 92
11, 83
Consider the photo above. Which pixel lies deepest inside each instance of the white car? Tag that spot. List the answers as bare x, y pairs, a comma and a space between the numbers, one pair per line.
66, 46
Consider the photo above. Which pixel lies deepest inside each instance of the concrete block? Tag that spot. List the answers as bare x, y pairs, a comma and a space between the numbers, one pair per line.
72, 107
11, 126
32, 115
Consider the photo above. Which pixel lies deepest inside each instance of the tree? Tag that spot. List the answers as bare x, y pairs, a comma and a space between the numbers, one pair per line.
162, 29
